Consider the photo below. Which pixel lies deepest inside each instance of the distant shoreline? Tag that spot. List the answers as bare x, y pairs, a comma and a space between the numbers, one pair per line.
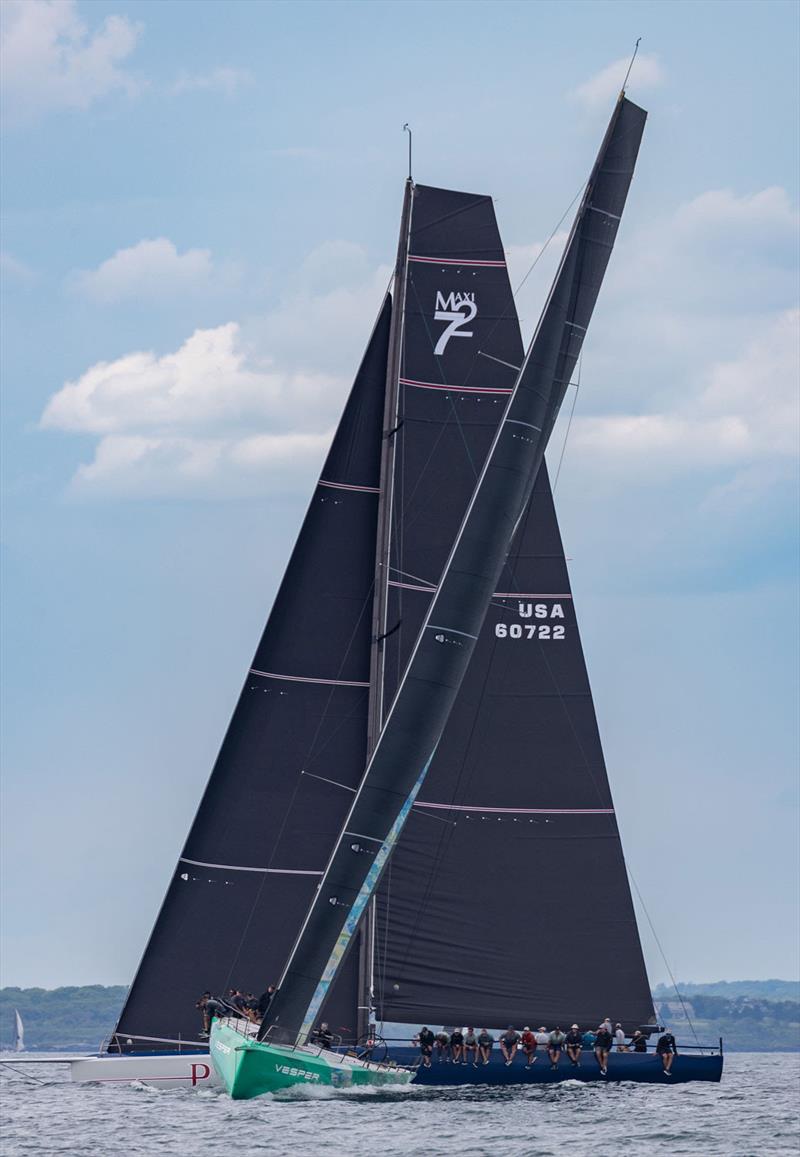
761, 1016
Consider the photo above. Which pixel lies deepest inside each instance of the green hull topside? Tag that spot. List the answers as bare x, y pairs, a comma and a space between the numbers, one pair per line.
249, 1068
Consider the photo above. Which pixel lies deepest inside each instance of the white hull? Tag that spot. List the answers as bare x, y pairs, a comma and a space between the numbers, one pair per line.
171, 1071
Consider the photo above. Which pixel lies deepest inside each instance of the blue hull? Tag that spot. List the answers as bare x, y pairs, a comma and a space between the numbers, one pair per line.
646, 1068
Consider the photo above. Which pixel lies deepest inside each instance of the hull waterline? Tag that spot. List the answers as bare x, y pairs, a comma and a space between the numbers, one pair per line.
249, 1068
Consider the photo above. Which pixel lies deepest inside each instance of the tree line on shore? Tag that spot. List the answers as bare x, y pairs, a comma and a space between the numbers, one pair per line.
749, 1018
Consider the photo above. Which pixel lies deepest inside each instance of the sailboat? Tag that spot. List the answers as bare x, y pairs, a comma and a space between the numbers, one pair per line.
424, 630
19, 1033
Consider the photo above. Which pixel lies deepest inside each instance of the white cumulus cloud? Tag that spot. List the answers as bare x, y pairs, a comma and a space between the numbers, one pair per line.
600, 90
50, 58
211, 380
126, 465
151, 268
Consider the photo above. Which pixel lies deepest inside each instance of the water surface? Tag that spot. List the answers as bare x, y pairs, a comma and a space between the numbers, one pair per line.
753, 1112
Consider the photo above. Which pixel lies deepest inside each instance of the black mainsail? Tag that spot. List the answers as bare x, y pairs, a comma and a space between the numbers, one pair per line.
407, 744
294, 752
506, 900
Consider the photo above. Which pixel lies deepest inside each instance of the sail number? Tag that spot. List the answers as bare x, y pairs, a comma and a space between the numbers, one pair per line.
528, 631
534, 630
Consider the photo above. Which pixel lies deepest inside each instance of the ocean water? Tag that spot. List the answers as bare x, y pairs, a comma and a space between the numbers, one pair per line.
753, 1112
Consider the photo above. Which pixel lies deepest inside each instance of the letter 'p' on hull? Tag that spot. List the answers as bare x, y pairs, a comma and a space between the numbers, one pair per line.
164, 1071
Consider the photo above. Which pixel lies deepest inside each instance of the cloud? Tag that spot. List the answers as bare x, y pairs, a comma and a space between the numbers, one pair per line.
688, 374
745, 413
14, 270
603, 88
134, 465
210, 381
225, 80
50, 59
148, 269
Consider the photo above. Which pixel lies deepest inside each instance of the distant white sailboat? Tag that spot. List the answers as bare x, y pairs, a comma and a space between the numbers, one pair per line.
19, 1033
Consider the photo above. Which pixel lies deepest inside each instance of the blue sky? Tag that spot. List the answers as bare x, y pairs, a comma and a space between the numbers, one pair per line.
200, 210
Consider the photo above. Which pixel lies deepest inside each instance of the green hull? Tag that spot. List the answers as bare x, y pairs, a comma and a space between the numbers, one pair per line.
249, 1068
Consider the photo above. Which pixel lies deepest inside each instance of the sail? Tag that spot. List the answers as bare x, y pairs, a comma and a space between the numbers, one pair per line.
506, 900
19, 1033
292, 756
461, 353
405, 750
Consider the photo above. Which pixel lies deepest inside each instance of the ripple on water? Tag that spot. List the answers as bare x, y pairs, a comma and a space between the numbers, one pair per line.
752, 1113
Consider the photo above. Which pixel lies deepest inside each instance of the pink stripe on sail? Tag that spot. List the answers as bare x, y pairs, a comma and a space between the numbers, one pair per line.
411, 586
308, 679
347, 486
456, 261
453, 389
521, 595
533, 811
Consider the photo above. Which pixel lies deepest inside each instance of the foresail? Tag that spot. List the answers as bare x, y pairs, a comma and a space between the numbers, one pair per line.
507, 900
291, 759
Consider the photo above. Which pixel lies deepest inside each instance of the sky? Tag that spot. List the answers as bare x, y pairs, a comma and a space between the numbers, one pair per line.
200, 212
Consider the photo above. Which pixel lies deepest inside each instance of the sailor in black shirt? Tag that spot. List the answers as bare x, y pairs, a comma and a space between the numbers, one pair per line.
426, 1039
574, 1043
667, 1049
265, 1000
457, 1046
602, 1045
639, 1042
509, 1042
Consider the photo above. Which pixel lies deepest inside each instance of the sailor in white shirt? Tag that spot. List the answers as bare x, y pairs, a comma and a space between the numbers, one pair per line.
542, 1037
619, 1039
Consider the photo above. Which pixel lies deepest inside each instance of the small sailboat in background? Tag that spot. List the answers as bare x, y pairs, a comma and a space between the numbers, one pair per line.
19, 1033
425, 630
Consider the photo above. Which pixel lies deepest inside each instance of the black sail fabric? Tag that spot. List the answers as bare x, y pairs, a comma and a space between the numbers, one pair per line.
294, 751
460, 355
418, 716
506, 900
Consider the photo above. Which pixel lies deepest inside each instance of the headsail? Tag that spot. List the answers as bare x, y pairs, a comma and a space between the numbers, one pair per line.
293, 754
440, 657
509, 873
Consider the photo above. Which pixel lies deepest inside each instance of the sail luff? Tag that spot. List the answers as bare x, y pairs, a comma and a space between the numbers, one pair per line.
415, 723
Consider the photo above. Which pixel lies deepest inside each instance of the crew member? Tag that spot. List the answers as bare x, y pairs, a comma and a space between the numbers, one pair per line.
509, 1043
555, 1045
667, 1050
574, 1043
471, 1047
426, 1039
485, 1043
529, 1046
457, 1046
602, 1045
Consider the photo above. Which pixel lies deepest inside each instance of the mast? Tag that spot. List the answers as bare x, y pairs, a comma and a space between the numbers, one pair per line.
382, 554
414, 726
